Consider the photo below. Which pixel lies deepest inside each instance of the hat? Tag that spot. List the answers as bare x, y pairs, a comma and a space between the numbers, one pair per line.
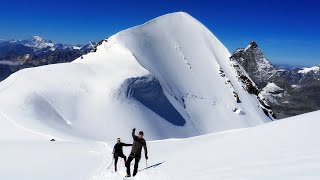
141, 133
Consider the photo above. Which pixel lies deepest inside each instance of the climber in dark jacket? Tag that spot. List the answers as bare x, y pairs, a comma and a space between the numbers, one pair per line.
118, 152
138, 143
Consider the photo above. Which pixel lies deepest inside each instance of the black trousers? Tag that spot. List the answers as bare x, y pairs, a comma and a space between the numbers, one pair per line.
136, 158
116, 156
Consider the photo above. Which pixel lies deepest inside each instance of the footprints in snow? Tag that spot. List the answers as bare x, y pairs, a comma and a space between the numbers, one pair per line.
198, 97
178, 49
228, 82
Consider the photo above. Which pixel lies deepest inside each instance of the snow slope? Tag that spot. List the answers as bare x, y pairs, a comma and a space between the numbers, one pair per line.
162, 77
286, 149
186, 60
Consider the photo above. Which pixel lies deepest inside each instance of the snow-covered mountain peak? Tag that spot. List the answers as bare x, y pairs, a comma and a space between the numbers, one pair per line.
180, 53
168, 41
306, 70
254, 61
251, 45
296, 83
173, 17
37, 38
170, 77
37, 42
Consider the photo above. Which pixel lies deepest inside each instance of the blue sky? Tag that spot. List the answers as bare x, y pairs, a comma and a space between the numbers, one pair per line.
287, 31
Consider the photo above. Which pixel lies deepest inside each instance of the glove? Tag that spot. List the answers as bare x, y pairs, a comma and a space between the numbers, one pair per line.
134, 130
146, 157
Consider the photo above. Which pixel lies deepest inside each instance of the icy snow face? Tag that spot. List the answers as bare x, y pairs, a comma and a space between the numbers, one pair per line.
272, 87
89, 97
307, 70
272, 92
149, 92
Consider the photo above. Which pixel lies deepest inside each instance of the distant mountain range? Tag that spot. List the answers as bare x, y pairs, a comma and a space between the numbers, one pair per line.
287, 66
289, 90
37, 51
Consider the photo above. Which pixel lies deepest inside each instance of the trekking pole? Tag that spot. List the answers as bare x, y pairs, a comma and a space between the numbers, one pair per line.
146, 163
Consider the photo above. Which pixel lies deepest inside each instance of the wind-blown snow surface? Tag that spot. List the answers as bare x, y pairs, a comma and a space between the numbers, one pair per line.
93, 97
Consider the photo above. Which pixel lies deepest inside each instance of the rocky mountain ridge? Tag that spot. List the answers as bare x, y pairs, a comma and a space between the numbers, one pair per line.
288, 91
